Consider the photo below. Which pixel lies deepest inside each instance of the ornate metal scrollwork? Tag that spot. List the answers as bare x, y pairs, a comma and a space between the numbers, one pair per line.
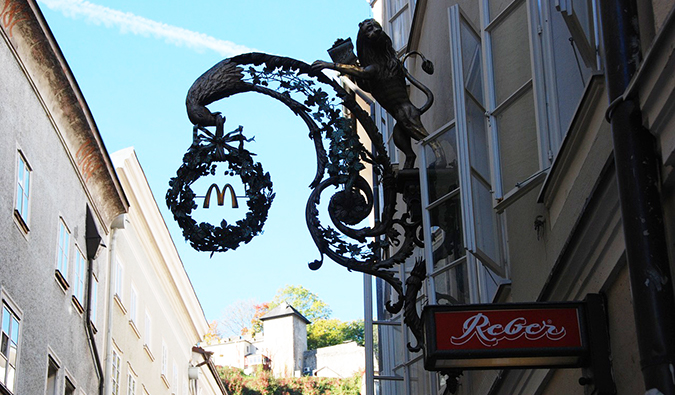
347, 241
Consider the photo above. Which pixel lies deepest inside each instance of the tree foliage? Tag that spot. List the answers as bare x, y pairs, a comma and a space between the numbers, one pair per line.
264, 382
330, 332
213, 335
260, 310
303, 300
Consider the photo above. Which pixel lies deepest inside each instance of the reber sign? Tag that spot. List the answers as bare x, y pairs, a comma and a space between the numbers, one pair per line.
504, 335
489, 334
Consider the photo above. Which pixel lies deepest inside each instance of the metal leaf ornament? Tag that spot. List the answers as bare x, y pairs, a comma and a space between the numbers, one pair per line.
207, 149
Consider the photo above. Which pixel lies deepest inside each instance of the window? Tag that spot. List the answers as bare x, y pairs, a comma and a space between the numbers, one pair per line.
581, 19
62, 254
119, 279
115, 379
510, 97
70, 387
165, 359
148, 329
133, 305
9, 348
400, 12
562, 71
52, 372
131, 385
22, 190
174, 380
384, 123
79, 280
463, 256
94, 299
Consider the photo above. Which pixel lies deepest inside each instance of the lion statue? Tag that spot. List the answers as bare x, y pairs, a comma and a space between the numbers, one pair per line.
383, 75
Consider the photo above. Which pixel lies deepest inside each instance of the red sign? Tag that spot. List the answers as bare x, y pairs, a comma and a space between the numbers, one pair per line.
502, 329
504, 335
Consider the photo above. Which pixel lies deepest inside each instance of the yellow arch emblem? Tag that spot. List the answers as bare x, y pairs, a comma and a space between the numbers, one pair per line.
221, 195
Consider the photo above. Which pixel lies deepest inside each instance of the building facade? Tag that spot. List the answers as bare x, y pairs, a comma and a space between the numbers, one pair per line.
95, 299
519, 196
155, 316
59, 198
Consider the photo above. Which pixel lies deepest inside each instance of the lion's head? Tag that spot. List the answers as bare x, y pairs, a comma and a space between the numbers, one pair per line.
373, 46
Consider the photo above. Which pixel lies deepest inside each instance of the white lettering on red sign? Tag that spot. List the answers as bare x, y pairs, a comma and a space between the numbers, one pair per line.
490, 335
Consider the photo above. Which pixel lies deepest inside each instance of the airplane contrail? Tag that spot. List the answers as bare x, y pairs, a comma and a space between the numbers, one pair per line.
138, 25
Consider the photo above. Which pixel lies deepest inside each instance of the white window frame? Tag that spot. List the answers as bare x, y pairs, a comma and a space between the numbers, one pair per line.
53, 365
10, 335
478, 263
116, 373
148, 330
133, 305
131, 384
94, 299
581, 17
119, 278
63, 250
174, 379
22, 197
385, 124
80, 276
68, 380
405, 11
502, 192
165, 360
546, 84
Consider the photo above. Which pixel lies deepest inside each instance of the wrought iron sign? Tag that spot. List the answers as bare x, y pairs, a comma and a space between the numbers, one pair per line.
305, 89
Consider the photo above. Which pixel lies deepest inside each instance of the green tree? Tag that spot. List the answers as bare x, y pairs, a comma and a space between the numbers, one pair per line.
330, 332
303, 300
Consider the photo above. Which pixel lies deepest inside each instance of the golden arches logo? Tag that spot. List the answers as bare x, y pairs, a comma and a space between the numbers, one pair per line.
221, 195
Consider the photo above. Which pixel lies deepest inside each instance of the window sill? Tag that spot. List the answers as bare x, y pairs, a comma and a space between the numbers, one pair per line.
132, 324
521, 189
61, 280
573, 142
77, 305
119, 303
165, 380
148, 352
20, 223
4, 390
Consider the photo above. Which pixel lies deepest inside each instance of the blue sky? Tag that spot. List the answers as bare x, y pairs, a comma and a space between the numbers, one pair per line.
134, 62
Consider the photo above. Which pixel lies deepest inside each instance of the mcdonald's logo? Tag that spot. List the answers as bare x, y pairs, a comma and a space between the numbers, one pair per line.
221, 195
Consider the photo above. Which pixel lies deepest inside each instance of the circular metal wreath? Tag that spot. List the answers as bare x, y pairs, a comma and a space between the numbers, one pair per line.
199, 161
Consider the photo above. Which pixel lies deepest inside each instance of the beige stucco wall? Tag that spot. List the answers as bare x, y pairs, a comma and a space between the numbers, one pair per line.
154, 269
580, 247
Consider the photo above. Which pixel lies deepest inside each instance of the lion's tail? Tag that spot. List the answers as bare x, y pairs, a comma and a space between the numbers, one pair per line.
428, 67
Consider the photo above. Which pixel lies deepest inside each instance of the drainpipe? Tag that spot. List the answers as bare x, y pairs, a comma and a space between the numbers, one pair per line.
94, 245
637, 172
117, 224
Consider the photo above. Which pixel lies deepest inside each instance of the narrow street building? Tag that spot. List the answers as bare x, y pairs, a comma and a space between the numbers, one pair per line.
156, 319
519, 191
95, 299
59, 197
